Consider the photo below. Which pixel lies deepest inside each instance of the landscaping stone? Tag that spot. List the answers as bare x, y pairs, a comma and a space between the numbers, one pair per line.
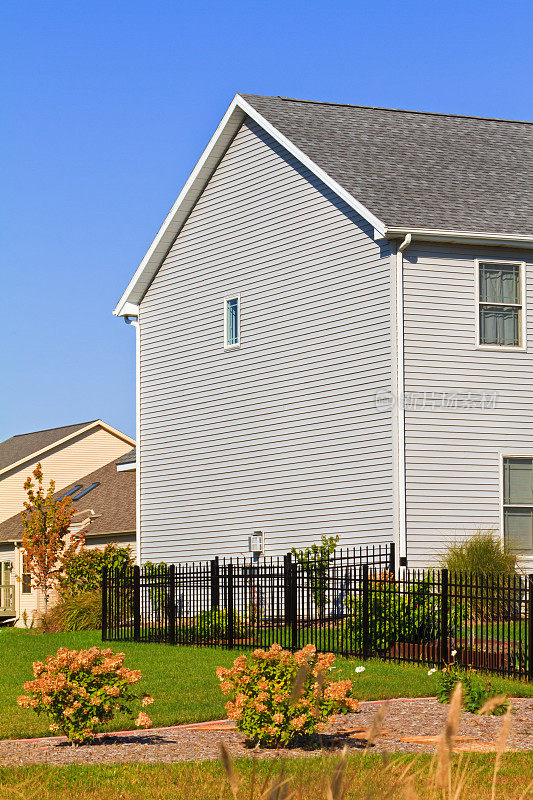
405, 720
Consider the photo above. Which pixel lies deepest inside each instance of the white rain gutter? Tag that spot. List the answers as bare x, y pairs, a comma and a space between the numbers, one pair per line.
398, 408
460, 237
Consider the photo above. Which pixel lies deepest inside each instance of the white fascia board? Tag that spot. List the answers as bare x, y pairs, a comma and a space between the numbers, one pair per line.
233, 118
126, 467
461, 237
181, 209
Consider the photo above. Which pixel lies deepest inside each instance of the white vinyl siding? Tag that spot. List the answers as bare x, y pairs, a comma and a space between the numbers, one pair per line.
465, 406
281, 435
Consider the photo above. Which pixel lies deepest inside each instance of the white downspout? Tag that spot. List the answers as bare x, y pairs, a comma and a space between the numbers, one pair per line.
131, 320
399, 405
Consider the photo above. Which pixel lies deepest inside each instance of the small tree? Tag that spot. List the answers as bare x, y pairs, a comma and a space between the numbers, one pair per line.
45, 524
315, 561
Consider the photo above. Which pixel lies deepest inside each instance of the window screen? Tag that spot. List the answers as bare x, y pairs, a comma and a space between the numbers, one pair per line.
518, 504
500, 305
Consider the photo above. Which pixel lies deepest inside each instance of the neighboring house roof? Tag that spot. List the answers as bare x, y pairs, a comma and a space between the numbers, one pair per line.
24, 446
401, 170
128, 458
112, 501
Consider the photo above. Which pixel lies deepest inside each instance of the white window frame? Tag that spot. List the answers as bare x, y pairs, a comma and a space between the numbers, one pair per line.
503, 456
522, 347
227, 345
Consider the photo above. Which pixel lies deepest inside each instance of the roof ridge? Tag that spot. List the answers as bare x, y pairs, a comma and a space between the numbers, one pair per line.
55, 428
400, 110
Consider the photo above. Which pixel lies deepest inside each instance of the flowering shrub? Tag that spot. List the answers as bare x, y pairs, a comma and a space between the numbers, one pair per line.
477, 691
276, 695
80, 690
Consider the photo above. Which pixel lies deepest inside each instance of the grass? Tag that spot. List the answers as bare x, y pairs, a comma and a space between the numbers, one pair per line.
367, 776
182, 679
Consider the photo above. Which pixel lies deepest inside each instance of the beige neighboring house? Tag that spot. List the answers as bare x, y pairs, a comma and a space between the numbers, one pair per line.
71, 456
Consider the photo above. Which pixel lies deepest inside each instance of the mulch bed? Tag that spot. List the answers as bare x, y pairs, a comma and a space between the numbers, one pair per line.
405, 727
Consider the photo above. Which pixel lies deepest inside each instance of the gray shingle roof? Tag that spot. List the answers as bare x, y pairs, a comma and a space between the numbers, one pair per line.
128, 458
25, 444
416, 169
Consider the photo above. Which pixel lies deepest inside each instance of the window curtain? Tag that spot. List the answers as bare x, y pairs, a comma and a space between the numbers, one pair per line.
499, 284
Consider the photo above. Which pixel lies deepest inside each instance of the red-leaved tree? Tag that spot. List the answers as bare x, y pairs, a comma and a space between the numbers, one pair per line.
45, 524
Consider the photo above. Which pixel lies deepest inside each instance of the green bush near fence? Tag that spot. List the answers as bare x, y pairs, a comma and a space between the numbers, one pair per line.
396, 613
213, 626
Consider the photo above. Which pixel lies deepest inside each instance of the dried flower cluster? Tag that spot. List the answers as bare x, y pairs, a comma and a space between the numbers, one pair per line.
80, 690
277, 695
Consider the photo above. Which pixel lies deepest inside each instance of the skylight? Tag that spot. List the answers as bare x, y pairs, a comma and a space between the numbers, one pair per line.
70, 492
85, 491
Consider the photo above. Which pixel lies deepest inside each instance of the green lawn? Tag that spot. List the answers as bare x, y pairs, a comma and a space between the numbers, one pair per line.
182, 679
366, 777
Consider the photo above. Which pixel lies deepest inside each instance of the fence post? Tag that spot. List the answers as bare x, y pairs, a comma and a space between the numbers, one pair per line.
136, 603
104, 604
530, 630
287, 560
366, 611
215, 583
293, 604
171, 607
444, 589
392, 558
231, 616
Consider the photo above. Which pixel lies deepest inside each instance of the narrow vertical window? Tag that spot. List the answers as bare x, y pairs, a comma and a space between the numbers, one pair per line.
232, 322
26, 575
518, 504
500, 305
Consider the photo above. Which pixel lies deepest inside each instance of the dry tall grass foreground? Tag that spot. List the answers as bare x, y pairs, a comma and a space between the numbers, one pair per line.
445, 779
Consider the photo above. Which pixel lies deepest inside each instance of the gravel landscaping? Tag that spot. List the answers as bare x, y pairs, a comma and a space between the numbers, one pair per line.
405, 720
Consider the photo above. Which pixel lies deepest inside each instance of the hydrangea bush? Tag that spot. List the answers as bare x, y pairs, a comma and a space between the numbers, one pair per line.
80, 690
277, 696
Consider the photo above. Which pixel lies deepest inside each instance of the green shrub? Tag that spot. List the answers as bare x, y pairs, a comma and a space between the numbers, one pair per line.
476, 690
397, 613
82, 572
277, 696
79, 612
80, 690
481, 553
213, 625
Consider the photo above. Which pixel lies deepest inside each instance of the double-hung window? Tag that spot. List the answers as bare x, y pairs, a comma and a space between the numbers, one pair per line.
500, 304
518, 504
232, 322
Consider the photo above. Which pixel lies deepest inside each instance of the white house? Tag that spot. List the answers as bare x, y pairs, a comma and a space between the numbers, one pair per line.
335, 335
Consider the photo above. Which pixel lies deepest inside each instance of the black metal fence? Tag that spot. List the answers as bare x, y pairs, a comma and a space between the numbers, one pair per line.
351, 603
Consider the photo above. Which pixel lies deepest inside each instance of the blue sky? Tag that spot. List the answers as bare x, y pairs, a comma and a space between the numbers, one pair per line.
106, 107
